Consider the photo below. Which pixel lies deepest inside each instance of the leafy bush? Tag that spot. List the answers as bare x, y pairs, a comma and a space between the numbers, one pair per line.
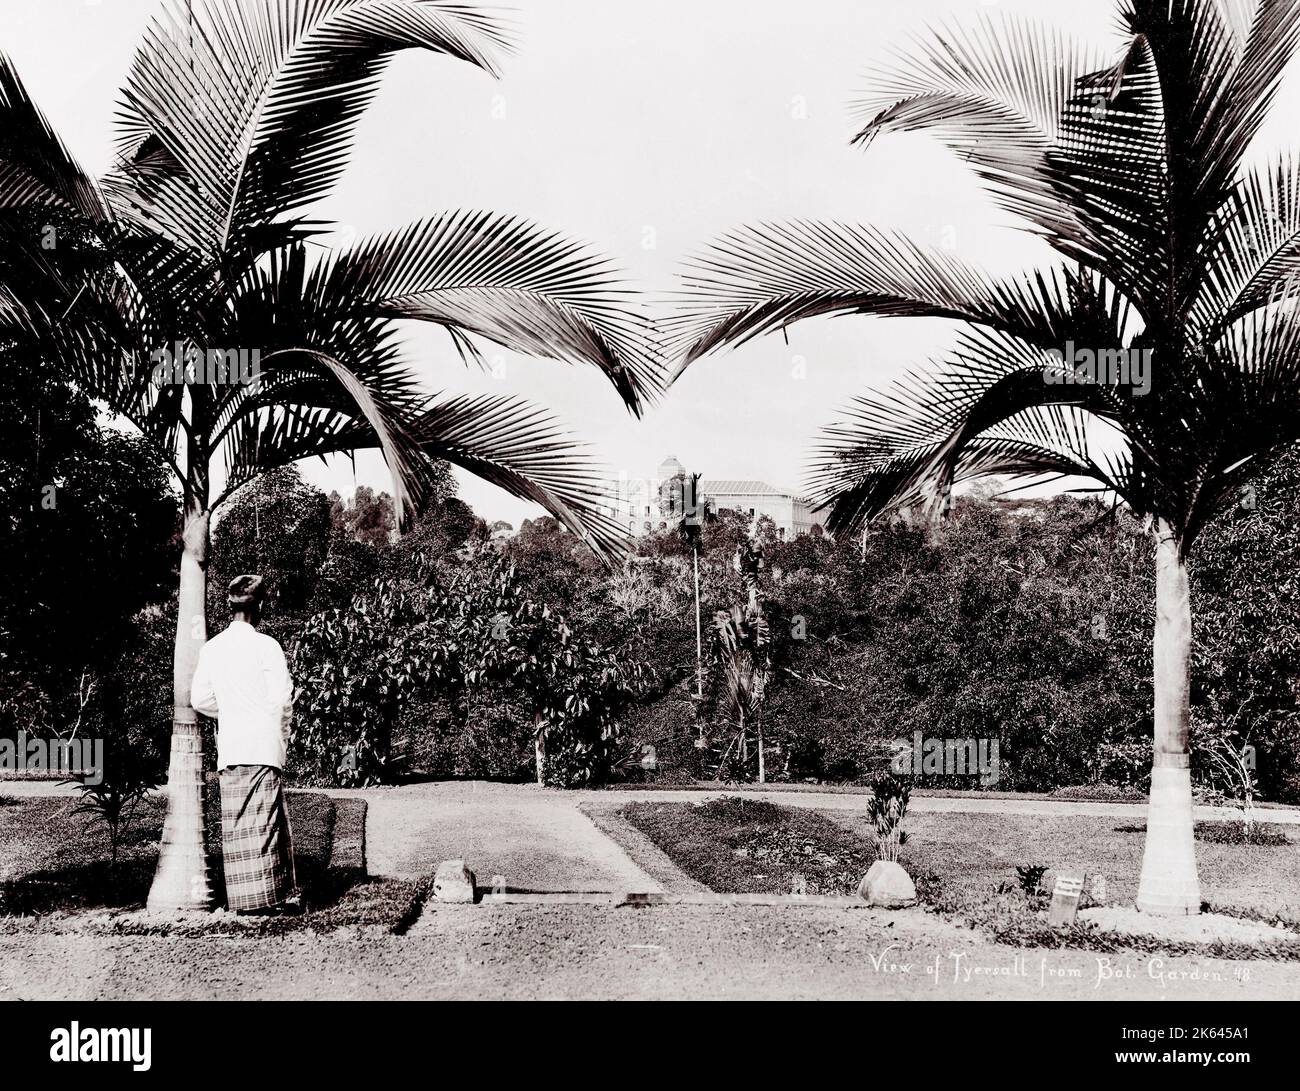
1010, 621
359, 669
1030, 878
1236, 833
355, 670
886, 808
277, 526
665, 728
574, 687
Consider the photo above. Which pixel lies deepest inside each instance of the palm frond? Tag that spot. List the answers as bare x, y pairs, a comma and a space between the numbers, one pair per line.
1110, 158
519, 448
1132, 171
1257, 252
35, 167
1214, 69
1221, 64
764, 278
992, 379
506, 280
503, 441
236, 113
994, 93
269, 436
314, 359
1253, 373
876, 461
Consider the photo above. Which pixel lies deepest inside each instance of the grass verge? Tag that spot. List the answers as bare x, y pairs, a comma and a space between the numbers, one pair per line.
56, 873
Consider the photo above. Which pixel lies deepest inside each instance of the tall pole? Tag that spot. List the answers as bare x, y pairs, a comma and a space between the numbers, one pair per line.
699, 640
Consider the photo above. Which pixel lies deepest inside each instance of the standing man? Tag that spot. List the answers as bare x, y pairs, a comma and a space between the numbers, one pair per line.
242, 680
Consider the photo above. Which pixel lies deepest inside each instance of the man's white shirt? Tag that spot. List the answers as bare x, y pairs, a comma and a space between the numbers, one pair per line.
243, 681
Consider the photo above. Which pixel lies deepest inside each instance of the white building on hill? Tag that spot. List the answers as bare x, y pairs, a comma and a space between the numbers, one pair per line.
644, 505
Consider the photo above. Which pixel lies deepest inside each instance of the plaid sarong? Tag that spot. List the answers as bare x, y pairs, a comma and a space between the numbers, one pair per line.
256, 841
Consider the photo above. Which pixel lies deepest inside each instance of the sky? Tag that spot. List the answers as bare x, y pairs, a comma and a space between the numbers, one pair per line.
645, 130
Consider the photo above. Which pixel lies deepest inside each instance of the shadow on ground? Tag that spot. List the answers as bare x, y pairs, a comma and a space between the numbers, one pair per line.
59, 864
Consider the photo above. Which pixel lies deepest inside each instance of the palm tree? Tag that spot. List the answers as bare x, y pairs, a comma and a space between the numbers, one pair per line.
1162, 243
143, 285
743, 645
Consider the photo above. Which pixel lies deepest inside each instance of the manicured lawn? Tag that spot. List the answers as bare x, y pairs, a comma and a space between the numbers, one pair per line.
959, 860
965, 865
54, 864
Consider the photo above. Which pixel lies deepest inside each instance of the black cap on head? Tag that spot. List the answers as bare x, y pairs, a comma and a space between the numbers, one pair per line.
245, 592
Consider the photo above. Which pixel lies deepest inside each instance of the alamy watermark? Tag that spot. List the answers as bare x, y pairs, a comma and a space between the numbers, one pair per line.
185, 364
111, 1045
79, 758
947, 757
1099, 367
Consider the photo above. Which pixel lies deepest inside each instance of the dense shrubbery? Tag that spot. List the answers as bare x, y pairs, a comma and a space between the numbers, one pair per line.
1029, 622
356, 668
86, 529
464, 644
1012, 620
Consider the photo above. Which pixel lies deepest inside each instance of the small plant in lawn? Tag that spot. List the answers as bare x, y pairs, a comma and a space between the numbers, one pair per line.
888, 805
1233, 767
1030, 878
115, 798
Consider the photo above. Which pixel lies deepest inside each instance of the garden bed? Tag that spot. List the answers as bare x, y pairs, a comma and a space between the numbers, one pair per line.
747, 846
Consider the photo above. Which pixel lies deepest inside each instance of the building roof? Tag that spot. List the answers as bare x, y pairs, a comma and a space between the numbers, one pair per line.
742, 488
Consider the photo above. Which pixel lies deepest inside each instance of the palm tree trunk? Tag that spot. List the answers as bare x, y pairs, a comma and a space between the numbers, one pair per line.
1169, 884
762, 767
184, 876
539, 749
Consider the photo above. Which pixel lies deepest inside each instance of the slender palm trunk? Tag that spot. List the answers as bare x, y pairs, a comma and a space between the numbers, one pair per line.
183, 879
1169, 884
762, 765
539, 749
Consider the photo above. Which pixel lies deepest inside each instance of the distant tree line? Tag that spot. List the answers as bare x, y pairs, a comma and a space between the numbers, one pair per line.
1027, 621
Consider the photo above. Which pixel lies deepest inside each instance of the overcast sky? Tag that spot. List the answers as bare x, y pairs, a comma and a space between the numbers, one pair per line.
646, 130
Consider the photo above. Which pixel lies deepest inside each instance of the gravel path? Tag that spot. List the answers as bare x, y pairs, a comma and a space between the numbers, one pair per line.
535, 840
540, 839
575, 951
822, 800
921, 804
